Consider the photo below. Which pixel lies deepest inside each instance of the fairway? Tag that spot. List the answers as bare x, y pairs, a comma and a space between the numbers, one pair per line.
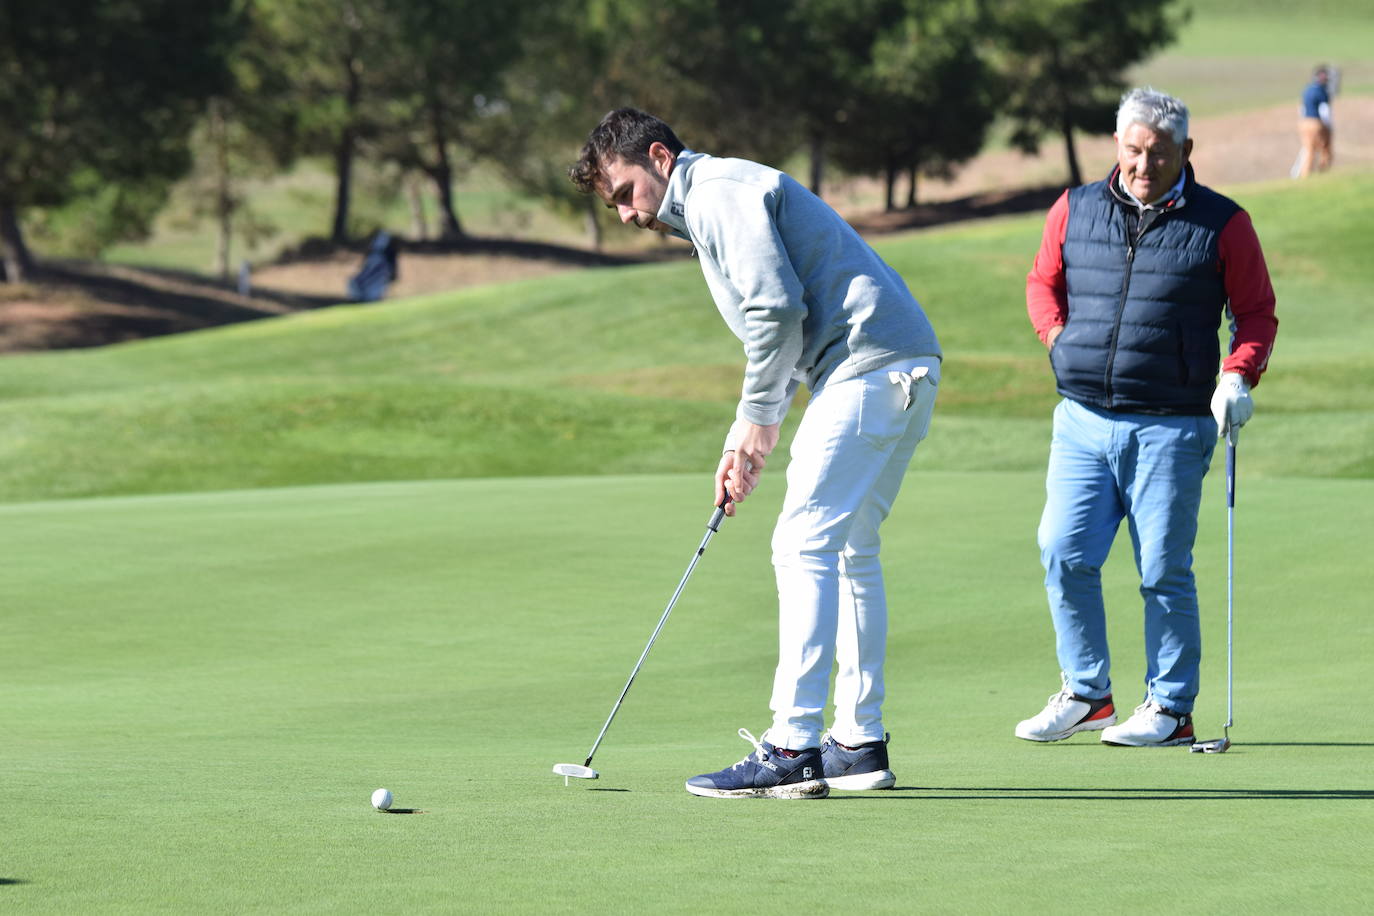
201, 691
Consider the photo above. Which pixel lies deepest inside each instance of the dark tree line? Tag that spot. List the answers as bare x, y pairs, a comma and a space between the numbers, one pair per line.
97, 95
105, 103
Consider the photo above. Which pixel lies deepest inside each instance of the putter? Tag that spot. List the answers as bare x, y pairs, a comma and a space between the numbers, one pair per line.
585, 771
1220, 745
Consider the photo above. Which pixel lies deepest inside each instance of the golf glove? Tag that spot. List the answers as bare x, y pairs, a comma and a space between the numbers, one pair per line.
1231, 402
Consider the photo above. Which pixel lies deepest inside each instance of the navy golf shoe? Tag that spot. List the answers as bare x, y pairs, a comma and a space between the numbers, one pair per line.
856, 768
765, 774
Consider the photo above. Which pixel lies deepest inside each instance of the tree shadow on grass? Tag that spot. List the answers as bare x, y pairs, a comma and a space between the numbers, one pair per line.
1097, 793
1082, 745
1309, 744
12, 881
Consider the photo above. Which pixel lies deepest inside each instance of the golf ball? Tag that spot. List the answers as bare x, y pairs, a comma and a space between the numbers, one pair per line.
381, 799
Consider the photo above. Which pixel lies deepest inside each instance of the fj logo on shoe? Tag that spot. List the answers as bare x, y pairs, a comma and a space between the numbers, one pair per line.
806, 773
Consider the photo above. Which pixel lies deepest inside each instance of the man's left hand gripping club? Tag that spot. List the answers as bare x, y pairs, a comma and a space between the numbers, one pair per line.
739, 470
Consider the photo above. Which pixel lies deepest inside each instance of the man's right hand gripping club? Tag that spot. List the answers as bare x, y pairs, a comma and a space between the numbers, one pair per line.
739, 470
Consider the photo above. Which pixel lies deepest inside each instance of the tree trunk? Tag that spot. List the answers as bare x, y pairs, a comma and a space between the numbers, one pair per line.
911, 187
593, 223
343, 154
419, 226
224, 199
18, 263
442, 173
343, 170
890, 187
1065, 116
1075, 176
817, 161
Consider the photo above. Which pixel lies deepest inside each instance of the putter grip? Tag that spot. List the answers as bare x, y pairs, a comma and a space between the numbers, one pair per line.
1230, 474
718, 515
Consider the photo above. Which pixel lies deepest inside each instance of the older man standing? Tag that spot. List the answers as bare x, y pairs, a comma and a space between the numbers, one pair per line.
1128, 290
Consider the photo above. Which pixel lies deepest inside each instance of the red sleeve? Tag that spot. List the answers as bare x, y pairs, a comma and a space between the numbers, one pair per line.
1251, 299
1047, 295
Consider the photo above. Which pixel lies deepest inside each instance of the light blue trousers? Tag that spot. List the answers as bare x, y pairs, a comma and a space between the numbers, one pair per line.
848, 459
1148, 470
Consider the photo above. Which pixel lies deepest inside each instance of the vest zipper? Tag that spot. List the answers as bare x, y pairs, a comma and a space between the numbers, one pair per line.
1145, 220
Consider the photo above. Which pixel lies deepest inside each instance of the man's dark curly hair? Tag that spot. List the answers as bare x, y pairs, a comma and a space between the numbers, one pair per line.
626, 133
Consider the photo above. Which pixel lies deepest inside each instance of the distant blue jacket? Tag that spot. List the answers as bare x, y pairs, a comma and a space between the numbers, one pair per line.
1313, 98
1145, 300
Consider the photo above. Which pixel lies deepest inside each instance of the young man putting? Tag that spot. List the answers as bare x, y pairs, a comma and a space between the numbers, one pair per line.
811, 302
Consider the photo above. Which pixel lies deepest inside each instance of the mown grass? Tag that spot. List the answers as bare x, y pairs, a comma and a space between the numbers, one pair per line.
202, 691
1237, 56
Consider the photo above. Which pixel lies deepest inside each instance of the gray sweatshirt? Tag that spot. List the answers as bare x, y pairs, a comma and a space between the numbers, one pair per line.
810, 300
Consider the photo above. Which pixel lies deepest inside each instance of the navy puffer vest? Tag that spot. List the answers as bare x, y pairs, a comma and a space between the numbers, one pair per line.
1146, 296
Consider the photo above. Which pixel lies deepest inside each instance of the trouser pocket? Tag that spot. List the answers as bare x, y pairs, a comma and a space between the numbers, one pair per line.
892, 400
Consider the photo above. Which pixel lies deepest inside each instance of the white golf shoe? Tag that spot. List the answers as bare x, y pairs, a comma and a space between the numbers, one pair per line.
1151, 725
1065, 714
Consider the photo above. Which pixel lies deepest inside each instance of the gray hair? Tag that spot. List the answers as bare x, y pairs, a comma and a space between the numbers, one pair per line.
1157, 111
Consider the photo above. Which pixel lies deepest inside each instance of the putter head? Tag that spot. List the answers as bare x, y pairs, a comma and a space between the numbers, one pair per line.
575, 771
1219, 746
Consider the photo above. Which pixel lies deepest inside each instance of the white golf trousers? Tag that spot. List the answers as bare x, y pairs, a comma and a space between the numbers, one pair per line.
849, 456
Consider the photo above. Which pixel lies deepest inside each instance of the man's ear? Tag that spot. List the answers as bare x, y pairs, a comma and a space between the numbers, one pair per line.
663, 159
1187, 149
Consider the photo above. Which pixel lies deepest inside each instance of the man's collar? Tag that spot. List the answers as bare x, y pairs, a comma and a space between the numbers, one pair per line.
1165, 202
673, 211
1172, 200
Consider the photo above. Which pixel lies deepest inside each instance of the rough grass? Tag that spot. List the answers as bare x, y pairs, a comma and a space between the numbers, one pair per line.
613, 371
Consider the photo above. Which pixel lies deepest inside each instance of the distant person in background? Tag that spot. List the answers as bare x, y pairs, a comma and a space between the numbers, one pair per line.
245, 278
1128, 291
378, 271
1314, 127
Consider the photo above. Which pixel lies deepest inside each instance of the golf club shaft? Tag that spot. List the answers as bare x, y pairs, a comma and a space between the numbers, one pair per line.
711, 528
1230, 570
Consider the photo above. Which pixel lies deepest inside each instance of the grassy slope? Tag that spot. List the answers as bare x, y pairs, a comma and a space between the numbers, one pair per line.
629, 370
202, 691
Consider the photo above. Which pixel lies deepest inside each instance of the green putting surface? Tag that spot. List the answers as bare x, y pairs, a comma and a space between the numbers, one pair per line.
201, 692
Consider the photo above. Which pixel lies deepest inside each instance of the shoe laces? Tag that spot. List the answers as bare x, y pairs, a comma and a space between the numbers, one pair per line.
758, 748
829, 736
1061, 699
1149, 710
